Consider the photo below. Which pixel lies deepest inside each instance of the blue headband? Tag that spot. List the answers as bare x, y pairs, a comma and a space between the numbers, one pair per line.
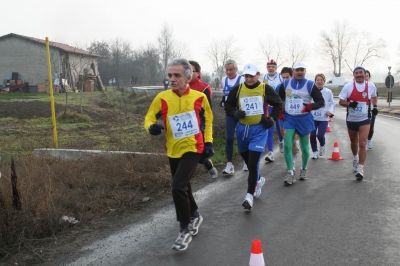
358, 67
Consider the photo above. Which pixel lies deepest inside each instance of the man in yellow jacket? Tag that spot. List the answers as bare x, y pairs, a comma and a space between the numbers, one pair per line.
182, 110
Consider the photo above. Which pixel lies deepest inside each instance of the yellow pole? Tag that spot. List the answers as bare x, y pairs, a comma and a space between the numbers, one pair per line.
53, 110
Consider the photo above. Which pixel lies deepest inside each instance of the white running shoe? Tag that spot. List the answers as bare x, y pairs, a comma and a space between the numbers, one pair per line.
248, 202
213, 173
303, 174
260, 183
322, 150
289, 180
355, 165
369, 144
183, 240
229, 169
281, 147
270, 157
359, 174
314, 155
245, 167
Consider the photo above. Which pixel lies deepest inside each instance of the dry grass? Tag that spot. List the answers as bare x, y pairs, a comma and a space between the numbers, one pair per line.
50, 189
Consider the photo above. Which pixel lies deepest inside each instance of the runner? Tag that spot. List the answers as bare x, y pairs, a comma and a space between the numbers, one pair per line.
272, 78
321, 117
358, 96
197, 84
297, 118
372, 125
232, 79
287, 73
185, 141
248, 102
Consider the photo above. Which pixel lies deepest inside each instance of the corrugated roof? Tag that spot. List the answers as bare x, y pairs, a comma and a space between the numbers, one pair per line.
60, 46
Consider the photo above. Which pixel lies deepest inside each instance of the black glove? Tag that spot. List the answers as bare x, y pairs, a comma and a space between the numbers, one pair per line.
353, 104
268, 122
239, 114
156, 129
375, 110
208, 149
331, 115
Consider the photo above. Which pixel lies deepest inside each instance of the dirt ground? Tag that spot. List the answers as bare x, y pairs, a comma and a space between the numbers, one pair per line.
47, 251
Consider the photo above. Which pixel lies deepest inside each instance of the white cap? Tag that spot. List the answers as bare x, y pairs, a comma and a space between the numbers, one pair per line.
250, 69
299, 65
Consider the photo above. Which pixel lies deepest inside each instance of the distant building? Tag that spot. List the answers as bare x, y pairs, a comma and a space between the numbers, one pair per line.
25, 57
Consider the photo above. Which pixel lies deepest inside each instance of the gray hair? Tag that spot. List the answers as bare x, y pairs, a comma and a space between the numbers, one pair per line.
231, 62
187, 70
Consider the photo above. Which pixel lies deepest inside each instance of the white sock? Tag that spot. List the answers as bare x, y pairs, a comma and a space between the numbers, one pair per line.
356, 157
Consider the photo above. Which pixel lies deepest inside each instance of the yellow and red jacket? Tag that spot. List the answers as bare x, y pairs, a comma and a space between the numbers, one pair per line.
167, 104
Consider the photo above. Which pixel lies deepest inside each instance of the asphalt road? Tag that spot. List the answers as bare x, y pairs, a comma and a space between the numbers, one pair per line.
329, 219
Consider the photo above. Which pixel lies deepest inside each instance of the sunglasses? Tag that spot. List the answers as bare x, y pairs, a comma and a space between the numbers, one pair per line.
248, 76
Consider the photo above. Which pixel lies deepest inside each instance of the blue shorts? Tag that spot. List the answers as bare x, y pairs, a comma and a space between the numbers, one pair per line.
251, 137
303, 124
355, 126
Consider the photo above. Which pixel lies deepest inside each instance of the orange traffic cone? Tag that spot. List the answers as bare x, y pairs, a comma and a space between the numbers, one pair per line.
256, 257
335, 153
328, 129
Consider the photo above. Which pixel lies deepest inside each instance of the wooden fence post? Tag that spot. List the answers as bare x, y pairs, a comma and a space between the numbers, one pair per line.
14, 181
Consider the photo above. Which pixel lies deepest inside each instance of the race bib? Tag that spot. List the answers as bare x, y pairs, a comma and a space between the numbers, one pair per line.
184, 125
318, 114
360, 110
252, 105
294, 106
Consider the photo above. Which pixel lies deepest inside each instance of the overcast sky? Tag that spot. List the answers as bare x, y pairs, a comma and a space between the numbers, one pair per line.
79, 22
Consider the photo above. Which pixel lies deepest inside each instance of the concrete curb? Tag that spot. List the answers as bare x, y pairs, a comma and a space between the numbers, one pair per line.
72, 154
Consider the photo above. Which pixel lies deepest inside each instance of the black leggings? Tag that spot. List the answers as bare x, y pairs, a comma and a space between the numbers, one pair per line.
371, 127
252, 159
182, 170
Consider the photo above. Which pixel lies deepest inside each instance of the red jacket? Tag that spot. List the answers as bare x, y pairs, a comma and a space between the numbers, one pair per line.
200, 86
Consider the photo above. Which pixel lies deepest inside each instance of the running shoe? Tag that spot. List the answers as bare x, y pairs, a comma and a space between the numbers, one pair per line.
245, 167
289, 180
183, 240
322, 150
259, 185
355, 165
369, 144
281, 147
194, 225
213, 173
270, 157
248, 202
303, 174
229, 169
360, 174
314, 155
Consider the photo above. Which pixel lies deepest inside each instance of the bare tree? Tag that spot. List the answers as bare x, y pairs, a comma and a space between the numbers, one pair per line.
296, 49
180, 50
335, 44
271, 49
166, 46
121, 54
364, 49
219, 51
